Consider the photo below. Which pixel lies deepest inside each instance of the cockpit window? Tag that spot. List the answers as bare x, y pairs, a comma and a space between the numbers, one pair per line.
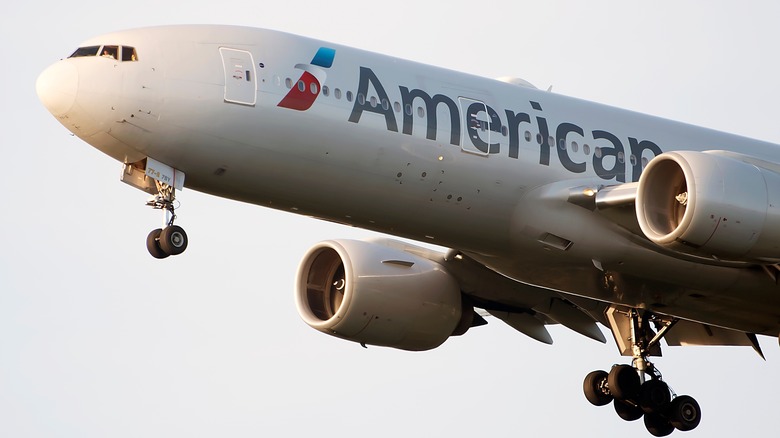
128, 54
85, 51
124, 53
110, 52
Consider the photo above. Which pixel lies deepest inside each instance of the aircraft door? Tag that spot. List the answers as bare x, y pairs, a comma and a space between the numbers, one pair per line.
478, 122
240, 76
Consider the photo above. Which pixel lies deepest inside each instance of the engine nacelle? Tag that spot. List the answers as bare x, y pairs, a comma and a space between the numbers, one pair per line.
712, 204
373, 294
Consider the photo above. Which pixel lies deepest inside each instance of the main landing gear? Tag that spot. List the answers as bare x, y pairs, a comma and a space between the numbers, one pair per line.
633, 395
171, 240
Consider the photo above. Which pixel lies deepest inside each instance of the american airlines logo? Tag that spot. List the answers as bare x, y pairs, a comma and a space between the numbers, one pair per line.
489, 131
303, 93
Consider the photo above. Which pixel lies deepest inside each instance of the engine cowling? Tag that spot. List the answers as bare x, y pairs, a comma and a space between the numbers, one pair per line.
710, 203
373, 294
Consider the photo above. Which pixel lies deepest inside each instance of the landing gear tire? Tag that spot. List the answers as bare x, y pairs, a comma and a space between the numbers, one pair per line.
595, 388
153, 244
623, 382
173, 240
684, 413
628, 412
658, 425
654, 396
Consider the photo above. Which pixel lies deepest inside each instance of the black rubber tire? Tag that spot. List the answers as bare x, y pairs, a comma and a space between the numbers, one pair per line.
173, 240
628, 412
658, 425
592, 385
153, 244
623, 382
654, 396
684, 413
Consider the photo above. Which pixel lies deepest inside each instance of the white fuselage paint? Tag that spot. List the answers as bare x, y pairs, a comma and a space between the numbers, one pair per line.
341, 159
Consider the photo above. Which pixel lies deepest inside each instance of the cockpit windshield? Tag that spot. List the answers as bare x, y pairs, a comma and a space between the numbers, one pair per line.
85, 51
123, 53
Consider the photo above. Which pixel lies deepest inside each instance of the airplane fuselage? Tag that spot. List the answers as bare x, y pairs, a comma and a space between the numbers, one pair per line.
411, 150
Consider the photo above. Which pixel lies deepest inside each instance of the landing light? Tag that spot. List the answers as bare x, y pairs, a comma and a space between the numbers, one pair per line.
589, 192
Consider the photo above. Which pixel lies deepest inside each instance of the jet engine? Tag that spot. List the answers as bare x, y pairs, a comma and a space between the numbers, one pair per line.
711, 203
374, 294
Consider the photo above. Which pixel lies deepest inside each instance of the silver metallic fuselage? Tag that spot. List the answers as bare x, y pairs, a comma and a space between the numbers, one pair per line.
507, 208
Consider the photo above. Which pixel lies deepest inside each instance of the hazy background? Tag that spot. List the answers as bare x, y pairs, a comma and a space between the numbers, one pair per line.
98, 339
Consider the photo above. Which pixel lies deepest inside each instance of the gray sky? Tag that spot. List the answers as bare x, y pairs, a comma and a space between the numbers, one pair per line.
98, 339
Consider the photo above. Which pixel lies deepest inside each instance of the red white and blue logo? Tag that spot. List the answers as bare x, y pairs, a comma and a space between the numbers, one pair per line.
303, 93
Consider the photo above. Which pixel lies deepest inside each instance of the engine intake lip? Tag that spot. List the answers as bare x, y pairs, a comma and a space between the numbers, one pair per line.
665, 199
322, 293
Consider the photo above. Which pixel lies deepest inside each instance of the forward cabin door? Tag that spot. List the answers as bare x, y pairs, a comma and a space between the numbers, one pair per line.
240, 76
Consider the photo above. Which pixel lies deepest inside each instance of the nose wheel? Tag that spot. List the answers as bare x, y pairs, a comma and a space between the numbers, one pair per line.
638, 391
171, 240
168, 241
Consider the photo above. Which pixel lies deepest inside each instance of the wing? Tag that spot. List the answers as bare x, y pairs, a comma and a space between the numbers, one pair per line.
529, 309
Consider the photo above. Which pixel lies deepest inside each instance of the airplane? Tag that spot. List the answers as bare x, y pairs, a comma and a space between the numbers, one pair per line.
554, 210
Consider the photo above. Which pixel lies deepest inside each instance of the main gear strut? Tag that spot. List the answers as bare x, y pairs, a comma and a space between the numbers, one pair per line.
638, 390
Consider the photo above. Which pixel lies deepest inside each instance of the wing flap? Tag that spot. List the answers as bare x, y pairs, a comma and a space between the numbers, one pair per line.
687, 333
526, 324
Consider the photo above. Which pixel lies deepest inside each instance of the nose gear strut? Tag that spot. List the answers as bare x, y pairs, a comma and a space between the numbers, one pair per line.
171, 240
161, 181
637, 390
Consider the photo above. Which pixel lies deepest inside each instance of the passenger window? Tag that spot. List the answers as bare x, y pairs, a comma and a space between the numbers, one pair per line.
129, 54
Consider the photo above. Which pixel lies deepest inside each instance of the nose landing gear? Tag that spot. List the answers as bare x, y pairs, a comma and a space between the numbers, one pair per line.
632, 394
171, 240
161, 181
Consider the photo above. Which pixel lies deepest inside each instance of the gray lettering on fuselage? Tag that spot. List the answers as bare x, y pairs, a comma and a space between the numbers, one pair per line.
618, 171
544, 133
475, 126
637, 150
431, 107
367, 77
563, 151
513, 125
609, 162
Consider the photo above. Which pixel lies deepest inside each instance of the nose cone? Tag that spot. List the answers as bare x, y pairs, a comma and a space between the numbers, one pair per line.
57, 87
